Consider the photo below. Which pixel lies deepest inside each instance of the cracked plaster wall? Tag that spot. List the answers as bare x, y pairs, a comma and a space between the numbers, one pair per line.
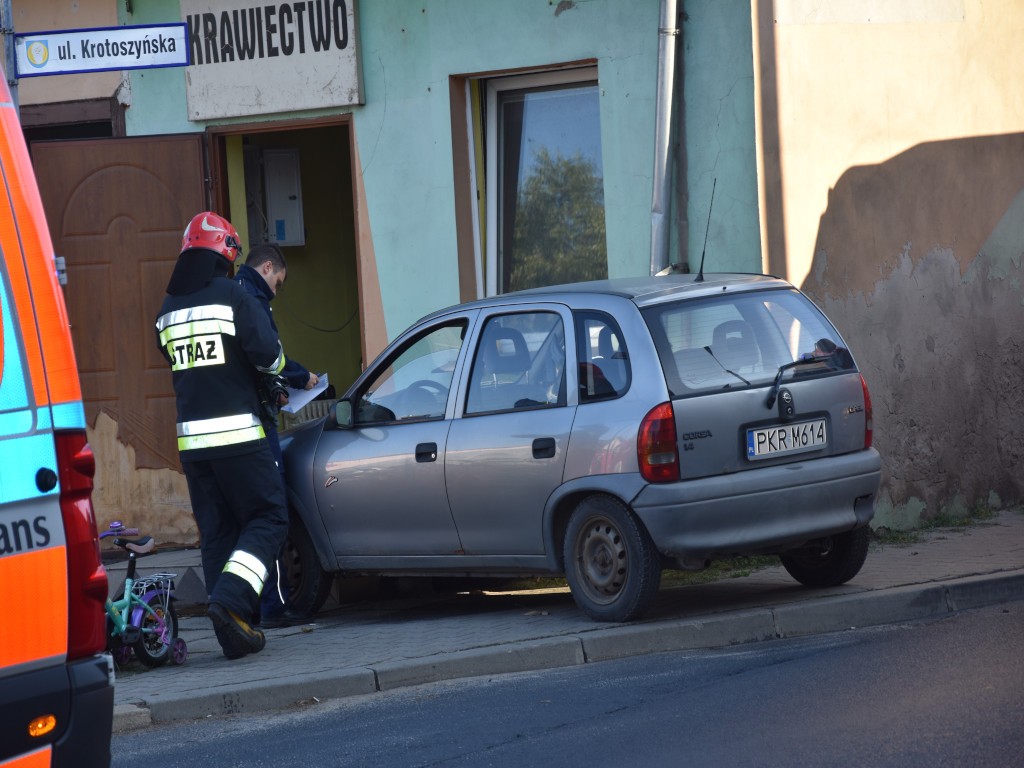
154, 500
892, 139
918, 262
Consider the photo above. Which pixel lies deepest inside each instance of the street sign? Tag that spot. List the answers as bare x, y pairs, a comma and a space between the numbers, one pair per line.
66, 51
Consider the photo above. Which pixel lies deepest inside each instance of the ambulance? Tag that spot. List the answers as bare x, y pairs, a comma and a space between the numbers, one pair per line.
56, 680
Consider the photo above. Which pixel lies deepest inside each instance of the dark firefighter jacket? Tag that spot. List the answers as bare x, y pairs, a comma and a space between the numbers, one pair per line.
294, 373
218, 339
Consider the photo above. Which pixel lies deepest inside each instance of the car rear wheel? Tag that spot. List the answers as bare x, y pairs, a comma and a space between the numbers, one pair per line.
308, 584
611, 564
830, 561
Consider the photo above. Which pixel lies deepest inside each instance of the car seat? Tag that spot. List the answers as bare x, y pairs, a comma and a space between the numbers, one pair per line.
734, 345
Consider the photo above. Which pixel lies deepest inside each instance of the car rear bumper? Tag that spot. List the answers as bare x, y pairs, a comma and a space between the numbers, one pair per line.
79, 694
761, 510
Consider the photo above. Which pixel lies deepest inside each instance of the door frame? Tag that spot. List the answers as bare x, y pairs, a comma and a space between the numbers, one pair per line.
217, 185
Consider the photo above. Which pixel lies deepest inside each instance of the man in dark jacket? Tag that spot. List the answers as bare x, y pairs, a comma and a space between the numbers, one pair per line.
218, 340
262, 276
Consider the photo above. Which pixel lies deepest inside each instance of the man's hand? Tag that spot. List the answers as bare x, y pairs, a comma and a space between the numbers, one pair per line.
312, 381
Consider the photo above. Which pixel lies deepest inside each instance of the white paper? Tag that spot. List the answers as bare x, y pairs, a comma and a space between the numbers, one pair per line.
299, 398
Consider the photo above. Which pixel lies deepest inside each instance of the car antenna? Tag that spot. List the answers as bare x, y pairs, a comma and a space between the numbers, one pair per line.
700, 272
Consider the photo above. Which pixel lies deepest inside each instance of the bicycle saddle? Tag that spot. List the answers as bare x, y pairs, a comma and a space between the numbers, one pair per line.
142, 546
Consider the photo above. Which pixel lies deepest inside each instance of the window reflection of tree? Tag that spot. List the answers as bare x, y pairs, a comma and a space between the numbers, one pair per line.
559, 232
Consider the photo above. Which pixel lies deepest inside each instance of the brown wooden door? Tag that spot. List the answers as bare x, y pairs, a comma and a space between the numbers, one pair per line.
117, 209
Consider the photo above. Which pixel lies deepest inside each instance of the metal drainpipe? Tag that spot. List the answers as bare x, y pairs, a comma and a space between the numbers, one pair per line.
667, 34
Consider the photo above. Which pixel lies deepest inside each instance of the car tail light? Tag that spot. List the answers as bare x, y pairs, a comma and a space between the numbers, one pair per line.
87, 579
869, 426
656, 445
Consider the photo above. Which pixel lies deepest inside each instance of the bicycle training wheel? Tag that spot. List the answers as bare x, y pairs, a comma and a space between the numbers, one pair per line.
158, 631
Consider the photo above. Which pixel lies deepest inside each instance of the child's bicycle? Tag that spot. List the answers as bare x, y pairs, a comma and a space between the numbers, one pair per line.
142, 617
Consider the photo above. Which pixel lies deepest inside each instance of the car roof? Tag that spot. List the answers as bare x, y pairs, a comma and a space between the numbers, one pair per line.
642, 291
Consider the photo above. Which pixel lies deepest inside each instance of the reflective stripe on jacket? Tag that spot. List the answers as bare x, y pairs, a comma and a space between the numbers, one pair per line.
212, 433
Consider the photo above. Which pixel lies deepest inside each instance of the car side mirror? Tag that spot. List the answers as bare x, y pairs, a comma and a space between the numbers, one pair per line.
340, 416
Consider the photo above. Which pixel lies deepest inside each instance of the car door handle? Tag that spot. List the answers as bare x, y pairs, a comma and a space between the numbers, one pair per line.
544, 448
426, 452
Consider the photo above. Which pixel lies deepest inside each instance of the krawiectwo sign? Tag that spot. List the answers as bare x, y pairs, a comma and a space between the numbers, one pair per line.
66, 51
253, 58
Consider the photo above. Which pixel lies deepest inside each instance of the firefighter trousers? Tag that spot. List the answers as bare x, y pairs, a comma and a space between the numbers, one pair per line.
240, 509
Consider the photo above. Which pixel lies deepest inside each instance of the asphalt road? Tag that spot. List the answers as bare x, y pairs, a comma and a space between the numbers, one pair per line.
942, 693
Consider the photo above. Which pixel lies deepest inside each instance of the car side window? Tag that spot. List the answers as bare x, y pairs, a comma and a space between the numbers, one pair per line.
604, 370
519, 363
413, 384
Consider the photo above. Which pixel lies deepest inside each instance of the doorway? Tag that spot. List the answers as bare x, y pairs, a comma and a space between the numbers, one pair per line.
293, 186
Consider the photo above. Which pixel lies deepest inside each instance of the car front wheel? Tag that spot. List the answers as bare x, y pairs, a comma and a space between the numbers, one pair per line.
611, 564
830, 561
308, 584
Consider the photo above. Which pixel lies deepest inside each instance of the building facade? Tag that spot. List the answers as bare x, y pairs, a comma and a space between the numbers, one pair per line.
408, 156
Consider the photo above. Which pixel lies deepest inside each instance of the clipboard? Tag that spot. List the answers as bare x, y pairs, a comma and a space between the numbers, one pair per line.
300, 398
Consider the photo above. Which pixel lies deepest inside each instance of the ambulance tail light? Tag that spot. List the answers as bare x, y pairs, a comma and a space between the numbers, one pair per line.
87, 579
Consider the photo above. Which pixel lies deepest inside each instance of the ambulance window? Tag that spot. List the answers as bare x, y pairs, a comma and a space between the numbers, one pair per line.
13, 389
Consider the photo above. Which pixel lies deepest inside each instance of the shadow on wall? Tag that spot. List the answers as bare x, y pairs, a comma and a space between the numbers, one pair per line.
918, 262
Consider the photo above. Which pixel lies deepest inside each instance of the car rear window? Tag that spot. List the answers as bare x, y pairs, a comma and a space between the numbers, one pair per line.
740, 340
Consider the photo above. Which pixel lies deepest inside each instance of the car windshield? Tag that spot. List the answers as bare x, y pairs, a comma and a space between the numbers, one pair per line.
741, 340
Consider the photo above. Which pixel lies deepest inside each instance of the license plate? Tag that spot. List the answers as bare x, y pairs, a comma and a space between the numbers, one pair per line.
767, 442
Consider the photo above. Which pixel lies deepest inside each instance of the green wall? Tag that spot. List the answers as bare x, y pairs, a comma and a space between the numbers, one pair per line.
719, 136
409, 52
158, 95
403, 132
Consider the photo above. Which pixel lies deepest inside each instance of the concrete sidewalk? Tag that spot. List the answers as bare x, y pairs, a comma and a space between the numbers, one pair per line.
364, 647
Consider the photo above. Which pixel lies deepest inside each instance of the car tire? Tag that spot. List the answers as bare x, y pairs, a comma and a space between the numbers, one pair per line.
830, 561
611, 564
308, 584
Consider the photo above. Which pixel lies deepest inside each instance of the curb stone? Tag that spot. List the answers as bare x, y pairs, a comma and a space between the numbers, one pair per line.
259, 696
514, 657
706, 632
979, 591
131, 717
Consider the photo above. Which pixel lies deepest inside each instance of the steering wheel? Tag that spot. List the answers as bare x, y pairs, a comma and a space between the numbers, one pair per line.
441, 389
413, 404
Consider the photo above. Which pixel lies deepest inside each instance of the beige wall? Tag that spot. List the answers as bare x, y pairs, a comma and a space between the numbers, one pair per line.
892, 175
37, 16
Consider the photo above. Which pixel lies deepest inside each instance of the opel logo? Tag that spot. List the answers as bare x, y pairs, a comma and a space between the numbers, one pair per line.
786, 407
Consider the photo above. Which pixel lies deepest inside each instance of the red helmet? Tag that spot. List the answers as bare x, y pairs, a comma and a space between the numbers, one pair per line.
213, 232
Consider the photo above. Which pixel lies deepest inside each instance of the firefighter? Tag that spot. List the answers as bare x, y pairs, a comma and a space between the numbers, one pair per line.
219, 341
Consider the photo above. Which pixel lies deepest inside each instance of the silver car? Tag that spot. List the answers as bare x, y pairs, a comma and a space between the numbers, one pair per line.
604, 431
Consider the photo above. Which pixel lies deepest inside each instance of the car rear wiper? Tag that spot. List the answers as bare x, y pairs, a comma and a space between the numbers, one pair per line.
773, 393
708, 350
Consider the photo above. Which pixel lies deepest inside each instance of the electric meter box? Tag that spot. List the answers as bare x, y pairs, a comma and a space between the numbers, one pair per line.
283, 188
